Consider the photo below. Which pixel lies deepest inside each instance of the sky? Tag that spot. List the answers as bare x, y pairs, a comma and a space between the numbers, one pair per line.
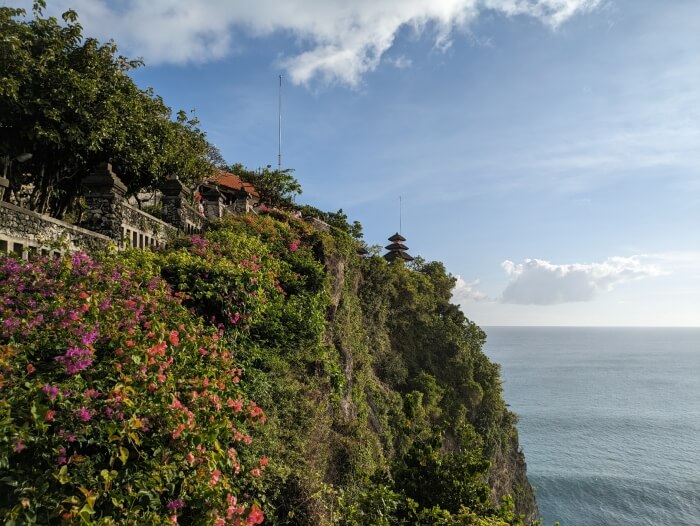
547, 151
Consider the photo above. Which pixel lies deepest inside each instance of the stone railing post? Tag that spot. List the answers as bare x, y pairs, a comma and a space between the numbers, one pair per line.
104, 196
4, 184
213, 203
175, 196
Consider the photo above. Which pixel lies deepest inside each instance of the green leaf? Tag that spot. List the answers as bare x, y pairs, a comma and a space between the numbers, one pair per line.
63, 476
123, 454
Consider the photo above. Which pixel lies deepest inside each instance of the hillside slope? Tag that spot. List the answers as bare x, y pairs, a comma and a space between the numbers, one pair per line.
309, 385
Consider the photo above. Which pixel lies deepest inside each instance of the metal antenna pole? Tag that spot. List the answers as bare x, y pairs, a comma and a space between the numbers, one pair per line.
279, 128
400, 215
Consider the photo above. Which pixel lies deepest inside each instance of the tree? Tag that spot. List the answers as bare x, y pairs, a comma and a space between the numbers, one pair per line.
277, 188
337, 219
68, 100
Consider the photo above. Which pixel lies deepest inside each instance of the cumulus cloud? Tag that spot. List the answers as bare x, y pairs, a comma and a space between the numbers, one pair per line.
338, 41
538, 282
464, 291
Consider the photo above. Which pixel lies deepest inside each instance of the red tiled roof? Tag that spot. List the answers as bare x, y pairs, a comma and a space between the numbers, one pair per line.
234, 182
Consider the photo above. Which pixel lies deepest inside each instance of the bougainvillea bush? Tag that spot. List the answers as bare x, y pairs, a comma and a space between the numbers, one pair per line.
117, 404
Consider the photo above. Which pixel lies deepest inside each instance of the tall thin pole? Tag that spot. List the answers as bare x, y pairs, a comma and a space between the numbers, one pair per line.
279, 128
400, 215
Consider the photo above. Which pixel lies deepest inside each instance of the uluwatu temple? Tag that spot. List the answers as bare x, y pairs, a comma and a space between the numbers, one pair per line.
397, 249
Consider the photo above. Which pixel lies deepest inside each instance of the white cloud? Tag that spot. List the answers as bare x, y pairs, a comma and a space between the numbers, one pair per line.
464, 291
538, 282
339, 41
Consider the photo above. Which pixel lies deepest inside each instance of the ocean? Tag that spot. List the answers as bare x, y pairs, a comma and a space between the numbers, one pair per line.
609, 421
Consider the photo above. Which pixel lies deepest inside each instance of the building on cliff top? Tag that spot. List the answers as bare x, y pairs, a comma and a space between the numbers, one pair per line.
397, 249
231, 191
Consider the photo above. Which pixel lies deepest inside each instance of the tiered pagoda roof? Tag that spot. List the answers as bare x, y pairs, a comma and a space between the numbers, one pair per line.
397, 250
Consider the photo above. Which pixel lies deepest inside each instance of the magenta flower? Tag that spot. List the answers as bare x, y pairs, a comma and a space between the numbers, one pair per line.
19, 445
51, 390
176, 504
75, 360
84, 414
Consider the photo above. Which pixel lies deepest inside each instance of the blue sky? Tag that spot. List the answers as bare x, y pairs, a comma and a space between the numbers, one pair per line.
548, 151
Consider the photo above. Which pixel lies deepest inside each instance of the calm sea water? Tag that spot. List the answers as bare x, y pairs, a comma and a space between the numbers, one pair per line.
609, 421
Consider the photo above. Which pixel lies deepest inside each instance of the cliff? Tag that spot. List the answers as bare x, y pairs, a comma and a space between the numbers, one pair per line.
263, 368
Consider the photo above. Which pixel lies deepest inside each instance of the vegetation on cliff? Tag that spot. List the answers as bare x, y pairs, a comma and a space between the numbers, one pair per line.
260, 372
261, 369
67, 99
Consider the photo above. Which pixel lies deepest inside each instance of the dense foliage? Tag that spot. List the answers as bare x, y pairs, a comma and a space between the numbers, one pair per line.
118, 406
69, 102
277, 188
127, 382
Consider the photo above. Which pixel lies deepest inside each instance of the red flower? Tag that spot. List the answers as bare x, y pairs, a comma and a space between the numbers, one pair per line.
255, 516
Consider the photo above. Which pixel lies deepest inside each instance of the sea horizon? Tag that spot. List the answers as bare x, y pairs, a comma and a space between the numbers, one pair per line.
608, 420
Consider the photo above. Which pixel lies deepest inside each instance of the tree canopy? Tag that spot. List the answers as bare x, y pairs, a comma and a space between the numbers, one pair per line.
277, 188
68, 100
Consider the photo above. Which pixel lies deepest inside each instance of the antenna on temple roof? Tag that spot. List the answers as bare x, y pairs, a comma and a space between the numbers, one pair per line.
279, 127
400, 215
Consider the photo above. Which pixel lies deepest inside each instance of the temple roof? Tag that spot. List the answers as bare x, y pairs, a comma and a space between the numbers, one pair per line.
397, 238
396, 246
391, 256
233, 182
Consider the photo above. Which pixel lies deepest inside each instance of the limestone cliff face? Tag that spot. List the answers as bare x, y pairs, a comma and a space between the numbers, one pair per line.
361, 336
508, 476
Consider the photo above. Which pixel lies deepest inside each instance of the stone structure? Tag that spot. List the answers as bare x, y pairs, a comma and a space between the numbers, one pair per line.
176, 208
109, 219
104, 195
141, 230
232, 193
110, 214
213, 202
397, 250
23, 232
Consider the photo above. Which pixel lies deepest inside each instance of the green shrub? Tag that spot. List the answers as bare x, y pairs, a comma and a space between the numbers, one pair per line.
117, 405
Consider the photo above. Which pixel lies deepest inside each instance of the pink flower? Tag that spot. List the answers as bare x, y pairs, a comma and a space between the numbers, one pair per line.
176, 504
84, 414
174, 338
255, 472
178, 430
51, 391
50, 414
75, 360
30, 368
255, 516
215, 477
236, 405
19, 445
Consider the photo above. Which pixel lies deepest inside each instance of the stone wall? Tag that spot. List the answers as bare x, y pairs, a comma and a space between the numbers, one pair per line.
23, 232
141, 230
177, 210
109, 219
